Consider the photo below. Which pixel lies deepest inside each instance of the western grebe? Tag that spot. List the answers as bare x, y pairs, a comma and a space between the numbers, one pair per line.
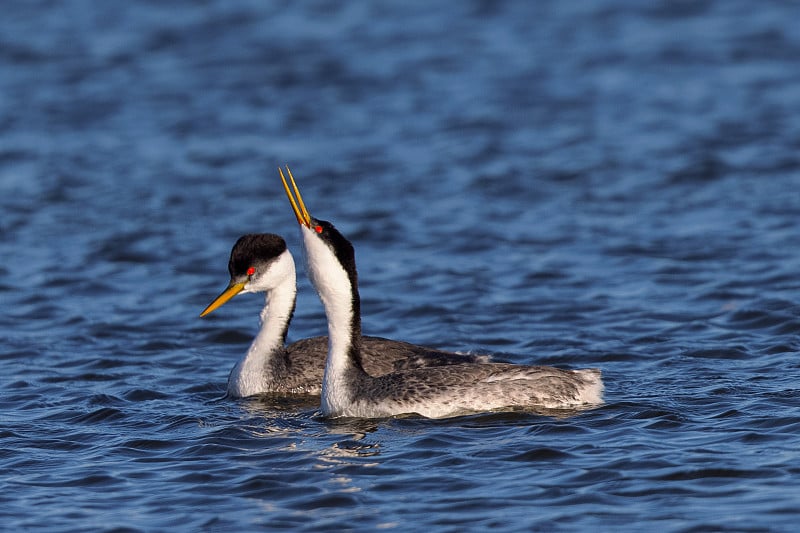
263, 263
434, 392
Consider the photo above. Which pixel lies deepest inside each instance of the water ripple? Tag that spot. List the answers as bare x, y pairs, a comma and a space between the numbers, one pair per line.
612, 186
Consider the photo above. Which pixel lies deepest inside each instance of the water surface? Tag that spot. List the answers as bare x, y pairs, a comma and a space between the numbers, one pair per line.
608, 184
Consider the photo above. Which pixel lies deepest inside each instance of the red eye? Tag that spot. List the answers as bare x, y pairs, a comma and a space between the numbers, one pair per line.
318, 229
251, 271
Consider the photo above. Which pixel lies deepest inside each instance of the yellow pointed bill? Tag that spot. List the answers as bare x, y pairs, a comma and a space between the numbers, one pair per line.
298, 206
232, 290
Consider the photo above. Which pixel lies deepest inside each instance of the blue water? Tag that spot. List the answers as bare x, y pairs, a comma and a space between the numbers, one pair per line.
583, 184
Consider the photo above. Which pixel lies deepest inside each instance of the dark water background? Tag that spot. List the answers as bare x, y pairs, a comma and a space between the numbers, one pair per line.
610, 184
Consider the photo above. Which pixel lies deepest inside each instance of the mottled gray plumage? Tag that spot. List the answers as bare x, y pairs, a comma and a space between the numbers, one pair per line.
461, 389
299, 368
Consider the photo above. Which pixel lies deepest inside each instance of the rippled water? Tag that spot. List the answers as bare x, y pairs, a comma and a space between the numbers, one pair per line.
610, 184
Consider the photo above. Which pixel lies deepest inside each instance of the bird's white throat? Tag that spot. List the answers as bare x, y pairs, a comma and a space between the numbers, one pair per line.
279, 283
334, 287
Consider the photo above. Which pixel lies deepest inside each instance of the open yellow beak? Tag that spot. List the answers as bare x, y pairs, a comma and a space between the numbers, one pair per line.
232, 290
298, 206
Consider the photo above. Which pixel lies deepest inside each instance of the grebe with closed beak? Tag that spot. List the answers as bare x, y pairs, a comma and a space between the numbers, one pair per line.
262, 263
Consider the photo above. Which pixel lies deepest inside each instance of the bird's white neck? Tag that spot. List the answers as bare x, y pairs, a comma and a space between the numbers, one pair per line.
266, 356
339, 296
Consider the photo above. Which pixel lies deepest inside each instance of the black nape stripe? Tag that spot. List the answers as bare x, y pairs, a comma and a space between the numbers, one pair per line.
346, 255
